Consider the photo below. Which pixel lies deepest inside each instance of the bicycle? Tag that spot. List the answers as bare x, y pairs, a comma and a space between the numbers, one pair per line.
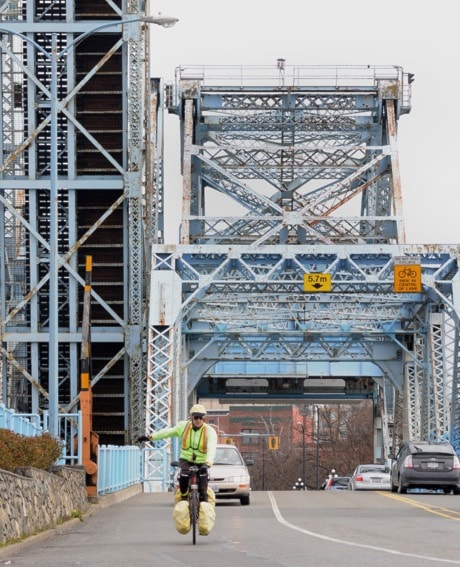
407, 273
193, 498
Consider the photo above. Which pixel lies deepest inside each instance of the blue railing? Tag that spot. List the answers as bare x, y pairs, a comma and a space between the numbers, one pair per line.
70, 436
120, 467
28, 424
156, 469
117, 468
32, 424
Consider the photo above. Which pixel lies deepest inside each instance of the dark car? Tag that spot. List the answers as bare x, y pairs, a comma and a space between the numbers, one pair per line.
420, 464
337, 483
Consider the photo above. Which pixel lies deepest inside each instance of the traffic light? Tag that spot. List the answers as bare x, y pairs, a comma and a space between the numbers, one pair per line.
273, 443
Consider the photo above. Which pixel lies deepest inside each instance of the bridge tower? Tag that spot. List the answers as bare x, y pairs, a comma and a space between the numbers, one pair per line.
292, 269
79, 157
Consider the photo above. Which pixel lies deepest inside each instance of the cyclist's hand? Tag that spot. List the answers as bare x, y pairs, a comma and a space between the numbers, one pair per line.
143, 439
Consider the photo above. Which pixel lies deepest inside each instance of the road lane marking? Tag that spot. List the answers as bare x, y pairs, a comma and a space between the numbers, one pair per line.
281, 520
437, 510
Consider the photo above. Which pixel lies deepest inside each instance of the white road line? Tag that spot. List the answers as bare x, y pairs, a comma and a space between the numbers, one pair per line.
281, 520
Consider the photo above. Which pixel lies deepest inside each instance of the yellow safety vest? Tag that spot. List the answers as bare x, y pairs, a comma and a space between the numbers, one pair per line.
201, 445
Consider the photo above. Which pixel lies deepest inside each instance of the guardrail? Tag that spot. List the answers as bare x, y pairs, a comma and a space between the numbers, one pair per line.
156, 469
120, 467
33, 424
69, 431
290, 75
117, 468
279, 76
28, 424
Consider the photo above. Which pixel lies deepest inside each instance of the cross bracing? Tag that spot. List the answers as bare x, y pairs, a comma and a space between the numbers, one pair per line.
231, 313
287, 174
284, 174
89, 130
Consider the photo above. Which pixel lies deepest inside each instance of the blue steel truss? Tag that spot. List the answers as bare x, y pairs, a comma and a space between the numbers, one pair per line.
107, 159
288, 173
290, 176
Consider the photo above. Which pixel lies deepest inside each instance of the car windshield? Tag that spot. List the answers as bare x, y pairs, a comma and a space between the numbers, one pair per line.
227, 456
375, 468
341, 481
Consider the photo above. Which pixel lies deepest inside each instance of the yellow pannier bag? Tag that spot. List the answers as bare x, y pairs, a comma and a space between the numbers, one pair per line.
177, 496
181, 517
211, 497
206, 518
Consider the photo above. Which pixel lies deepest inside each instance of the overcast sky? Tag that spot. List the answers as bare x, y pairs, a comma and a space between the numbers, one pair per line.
423, 38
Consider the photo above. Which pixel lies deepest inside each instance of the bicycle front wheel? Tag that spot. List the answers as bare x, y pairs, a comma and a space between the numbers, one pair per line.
194, 511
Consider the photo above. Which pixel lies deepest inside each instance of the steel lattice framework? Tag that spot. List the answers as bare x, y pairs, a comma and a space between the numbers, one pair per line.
291, 173
109, 158
286, 174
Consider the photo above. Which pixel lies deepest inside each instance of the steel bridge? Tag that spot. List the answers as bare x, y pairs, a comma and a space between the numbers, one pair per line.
292, 271
291, 279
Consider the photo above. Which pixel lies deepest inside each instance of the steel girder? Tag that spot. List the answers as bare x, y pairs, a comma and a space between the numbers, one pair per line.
237, 305
25, 174
137, 105
291, 157
295, 171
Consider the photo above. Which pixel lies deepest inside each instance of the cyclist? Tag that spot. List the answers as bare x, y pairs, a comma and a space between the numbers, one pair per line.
198, 447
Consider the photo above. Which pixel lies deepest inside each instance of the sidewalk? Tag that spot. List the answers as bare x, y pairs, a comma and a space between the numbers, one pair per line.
102, 502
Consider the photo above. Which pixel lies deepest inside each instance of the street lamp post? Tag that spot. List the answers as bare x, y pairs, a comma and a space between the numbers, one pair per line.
53, 58
317, 463
304, 456
317, 446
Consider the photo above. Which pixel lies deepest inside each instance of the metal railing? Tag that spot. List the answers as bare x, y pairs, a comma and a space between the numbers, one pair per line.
118, 468
69, 433
121, 467
29, 424
156, 469
347, 77
290, 75
32, 424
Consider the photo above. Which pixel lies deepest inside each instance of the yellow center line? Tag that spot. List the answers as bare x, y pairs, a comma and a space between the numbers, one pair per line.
436, 510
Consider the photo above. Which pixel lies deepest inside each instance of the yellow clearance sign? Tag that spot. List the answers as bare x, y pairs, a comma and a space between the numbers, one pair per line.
407, 278
317, 282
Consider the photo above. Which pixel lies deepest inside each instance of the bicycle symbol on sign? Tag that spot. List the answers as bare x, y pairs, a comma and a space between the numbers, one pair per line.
407, 272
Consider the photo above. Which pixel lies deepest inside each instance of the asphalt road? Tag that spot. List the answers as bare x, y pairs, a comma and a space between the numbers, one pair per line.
288, 529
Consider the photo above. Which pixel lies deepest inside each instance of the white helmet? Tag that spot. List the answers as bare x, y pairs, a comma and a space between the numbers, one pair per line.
198, 409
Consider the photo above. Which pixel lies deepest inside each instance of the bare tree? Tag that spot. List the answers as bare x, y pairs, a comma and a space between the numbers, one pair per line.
346, 436
343, 439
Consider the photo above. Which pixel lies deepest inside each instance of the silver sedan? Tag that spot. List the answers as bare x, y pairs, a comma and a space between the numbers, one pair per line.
370, 477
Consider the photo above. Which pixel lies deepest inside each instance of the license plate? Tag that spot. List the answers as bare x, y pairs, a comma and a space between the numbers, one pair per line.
376, 480
432, 465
